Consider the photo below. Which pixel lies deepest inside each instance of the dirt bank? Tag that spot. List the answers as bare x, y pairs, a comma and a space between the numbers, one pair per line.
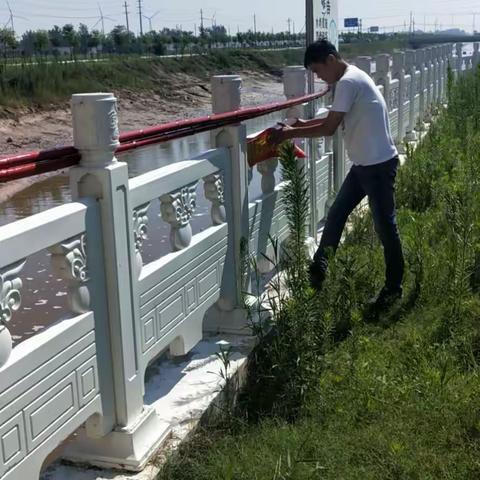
51, 127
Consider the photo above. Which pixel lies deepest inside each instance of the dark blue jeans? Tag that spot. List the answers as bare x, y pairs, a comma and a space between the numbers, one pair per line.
378, 183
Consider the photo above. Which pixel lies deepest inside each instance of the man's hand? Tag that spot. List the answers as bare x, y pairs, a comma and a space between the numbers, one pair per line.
280, 135
299, 122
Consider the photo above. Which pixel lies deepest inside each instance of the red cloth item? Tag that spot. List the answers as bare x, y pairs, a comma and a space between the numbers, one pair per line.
260, 149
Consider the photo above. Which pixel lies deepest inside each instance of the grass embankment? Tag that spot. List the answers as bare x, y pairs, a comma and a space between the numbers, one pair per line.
351, 50
45, 83
332, 395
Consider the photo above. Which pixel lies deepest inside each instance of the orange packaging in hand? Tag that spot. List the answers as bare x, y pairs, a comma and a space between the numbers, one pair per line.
260, 149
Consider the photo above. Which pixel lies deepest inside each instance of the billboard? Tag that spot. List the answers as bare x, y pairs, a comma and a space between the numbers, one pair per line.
325, 18
350, 23
374, 29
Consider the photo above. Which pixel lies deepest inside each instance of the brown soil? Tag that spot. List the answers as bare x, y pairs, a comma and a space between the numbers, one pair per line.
29, 129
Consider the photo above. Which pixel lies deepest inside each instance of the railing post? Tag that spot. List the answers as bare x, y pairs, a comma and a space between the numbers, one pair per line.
459, 58
429, 84
398, 72
443, 72
364, 63
137, 430
294, 86
440, 63
476, 55
420, 65
383, 76
228, 314
411, 70
436, 78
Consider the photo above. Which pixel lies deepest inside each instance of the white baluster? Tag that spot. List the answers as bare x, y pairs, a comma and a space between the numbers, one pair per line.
410, 62
214, 187
177, 209
398, 72
69, 261
10, 302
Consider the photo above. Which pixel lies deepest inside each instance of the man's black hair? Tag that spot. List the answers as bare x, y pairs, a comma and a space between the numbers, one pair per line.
318, 52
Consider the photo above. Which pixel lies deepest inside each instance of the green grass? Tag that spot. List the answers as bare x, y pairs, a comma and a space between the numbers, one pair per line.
45, 83
332, 395
351, 50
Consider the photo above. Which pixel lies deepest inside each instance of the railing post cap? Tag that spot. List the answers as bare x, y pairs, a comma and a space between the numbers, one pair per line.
383, 62
294, 68
78, 98
95, 127
294, 81
410, 56
364, 62
224, 79
226, 93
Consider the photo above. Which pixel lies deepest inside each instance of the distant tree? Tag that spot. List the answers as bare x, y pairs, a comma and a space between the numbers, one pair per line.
95, 39
27, 43
55, 37
7, 38
70, 36
40, 42
84, 38
122, 39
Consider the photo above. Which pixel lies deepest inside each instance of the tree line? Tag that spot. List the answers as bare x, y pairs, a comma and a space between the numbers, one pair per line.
68, 40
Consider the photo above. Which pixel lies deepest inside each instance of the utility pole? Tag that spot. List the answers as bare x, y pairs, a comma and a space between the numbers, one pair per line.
201, 22
140, 16
473, 31
255, 28
294, 27
126, 15
289, 21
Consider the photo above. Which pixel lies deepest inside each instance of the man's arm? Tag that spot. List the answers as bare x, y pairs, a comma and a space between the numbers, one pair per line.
308, 123
324, 128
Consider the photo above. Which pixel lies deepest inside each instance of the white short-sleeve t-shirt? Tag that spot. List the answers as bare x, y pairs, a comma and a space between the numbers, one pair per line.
366, 125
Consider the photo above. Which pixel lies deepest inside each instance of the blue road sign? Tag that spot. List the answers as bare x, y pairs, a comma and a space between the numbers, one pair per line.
351, 22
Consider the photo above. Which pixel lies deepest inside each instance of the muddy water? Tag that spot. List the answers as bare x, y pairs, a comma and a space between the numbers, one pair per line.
44, 294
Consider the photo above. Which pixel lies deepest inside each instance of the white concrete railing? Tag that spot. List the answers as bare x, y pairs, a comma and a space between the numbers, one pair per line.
88, 371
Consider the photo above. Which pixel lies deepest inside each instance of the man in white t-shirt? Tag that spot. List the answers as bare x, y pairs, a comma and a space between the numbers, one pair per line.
360, 110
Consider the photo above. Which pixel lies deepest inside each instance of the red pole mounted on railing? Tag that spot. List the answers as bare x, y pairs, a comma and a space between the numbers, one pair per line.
34, 163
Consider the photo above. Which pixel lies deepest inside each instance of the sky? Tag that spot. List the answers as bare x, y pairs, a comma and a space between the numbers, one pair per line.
236, 15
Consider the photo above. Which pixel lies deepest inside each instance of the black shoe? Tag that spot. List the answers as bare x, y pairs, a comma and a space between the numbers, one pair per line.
385, 298
316, 276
